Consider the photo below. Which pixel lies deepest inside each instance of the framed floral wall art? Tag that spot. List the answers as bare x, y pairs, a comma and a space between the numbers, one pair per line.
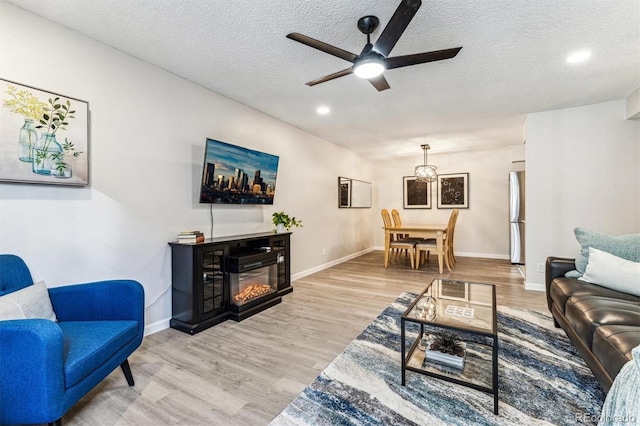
43, 136
417, 195
453, 191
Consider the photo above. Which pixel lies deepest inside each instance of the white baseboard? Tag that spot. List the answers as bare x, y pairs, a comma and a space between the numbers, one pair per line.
156, 326
484, 255
534, 286
162, 324
330, 264
465, 254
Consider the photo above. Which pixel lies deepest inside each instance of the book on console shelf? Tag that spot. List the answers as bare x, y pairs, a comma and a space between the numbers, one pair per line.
190, 237
189, 233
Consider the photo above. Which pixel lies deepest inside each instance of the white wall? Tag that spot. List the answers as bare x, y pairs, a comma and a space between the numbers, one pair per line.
582, 171
482, 230
633, 105
146, 137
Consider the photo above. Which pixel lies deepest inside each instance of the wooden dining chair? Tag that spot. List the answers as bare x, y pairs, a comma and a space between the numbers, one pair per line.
451, 227
449, 236
395, 214
399, 244
431, 244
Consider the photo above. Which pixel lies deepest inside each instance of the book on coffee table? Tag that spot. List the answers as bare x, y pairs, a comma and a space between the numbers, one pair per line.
446, 359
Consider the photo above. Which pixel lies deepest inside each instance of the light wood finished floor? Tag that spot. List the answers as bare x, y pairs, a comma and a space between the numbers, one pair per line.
246, 373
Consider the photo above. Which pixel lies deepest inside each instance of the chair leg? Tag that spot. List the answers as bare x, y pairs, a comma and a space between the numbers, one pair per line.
421, 257
446, 261
56, 423
127, 372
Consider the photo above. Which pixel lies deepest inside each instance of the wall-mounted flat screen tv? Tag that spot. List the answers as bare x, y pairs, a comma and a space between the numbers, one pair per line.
236, 175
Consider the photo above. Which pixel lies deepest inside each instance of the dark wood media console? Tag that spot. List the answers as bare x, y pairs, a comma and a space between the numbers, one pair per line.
228, 278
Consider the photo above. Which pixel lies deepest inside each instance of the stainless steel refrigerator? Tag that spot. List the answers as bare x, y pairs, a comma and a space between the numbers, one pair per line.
516, 217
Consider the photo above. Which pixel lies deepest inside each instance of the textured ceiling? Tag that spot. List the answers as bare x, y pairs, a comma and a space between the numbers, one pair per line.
512, 61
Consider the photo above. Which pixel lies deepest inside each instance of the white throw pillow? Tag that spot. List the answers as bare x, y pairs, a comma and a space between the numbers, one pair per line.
27, 303
616, 273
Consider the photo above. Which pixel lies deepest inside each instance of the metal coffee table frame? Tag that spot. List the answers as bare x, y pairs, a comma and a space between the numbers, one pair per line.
411, 359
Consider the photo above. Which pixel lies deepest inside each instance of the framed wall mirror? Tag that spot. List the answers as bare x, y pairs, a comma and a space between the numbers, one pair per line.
353, 193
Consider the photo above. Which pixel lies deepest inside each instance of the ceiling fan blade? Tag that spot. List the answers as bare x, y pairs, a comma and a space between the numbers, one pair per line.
396, 26
331, 77
420, 58
322, 46
379, 83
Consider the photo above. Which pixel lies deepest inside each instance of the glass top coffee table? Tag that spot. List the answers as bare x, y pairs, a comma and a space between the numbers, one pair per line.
467, 309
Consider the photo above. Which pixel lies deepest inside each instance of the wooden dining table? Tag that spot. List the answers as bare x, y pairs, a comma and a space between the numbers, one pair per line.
418, 230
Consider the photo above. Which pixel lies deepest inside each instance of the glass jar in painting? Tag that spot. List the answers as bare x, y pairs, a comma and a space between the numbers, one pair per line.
26, 140
60, 169
44, 154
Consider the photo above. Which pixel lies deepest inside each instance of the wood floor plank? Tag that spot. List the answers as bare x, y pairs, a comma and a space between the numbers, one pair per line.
247, 372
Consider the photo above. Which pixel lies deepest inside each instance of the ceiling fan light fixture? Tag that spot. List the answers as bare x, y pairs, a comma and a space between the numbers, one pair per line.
374, 59
368, 68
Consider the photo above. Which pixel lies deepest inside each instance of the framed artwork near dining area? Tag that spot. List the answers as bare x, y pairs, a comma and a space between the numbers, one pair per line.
416, 195
453, 191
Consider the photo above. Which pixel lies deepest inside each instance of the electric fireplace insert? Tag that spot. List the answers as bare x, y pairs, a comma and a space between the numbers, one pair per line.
253, 279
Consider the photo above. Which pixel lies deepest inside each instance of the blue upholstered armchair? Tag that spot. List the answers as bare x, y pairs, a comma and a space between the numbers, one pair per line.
47, 366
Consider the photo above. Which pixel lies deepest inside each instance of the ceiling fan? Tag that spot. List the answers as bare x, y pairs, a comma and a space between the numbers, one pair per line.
374, 60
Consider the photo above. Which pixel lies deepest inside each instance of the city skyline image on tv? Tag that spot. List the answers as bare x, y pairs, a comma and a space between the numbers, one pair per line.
236, 175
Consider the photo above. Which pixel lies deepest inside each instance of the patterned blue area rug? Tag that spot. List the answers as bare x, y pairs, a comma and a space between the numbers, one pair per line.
543, 381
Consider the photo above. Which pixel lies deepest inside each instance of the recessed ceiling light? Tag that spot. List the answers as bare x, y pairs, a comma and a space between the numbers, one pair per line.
577, 57
323, 110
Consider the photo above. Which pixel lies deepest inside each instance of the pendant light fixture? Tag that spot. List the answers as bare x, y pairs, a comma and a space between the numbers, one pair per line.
425, 172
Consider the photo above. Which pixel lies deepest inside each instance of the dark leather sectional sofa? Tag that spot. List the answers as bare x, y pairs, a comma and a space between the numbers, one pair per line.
603, 324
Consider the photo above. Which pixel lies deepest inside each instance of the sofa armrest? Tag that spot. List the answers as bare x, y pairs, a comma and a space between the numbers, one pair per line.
99, 301
31, 358
556, 267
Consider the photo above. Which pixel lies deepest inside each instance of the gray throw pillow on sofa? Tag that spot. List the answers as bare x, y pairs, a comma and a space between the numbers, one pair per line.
27, 303
609, 271
624, 246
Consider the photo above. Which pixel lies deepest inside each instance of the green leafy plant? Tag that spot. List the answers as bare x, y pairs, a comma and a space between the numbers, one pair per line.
284, 219
448, 342
24, 103
58, 157
55, 116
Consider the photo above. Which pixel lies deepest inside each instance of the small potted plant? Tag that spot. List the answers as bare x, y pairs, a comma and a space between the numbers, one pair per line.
448, 343
284, 222
447, 348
